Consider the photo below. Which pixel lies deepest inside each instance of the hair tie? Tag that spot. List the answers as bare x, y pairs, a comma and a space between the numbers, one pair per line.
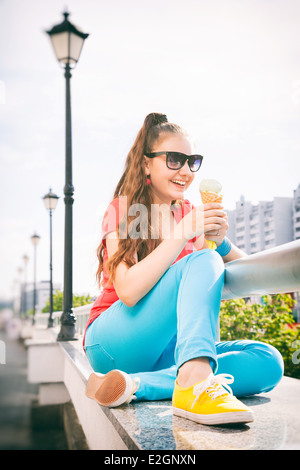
159, 119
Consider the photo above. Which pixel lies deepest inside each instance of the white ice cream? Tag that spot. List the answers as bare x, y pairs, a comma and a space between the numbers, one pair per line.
210, 185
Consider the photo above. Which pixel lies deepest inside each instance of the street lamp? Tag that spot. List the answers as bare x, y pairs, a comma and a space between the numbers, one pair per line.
20, 271
35, 238
50, 201
67, 41
25, 259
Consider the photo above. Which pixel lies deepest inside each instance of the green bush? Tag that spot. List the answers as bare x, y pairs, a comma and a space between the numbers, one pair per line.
78, 301
271, 322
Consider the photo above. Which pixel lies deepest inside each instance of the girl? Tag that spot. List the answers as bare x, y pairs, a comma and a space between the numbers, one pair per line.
151, 333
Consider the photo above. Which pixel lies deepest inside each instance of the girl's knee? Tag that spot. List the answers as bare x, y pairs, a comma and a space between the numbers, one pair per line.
207, 257
276, 365
271, 362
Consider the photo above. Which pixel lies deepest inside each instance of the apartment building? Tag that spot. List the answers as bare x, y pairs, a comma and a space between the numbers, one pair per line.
265, 225
268, 224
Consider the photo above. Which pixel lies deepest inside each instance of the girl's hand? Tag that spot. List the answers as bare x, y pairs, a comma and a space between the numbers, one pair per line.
207, 218
221, 219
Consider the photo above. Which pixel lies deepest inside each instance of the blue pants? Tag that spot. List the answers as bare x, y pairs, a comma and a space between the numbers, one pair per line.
175, 322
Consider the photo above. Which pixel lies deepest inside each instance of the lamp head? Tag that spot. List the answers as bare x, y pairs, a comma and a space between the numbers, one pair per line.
67, 41
50, 200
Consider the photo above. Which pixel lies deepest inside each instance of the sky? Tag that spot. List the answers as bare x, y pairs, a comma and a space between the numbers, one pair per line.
226, 70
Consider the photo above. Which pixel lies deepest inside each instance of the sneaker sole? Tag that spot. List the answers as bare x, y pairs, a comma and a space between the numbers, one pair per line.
218, 418
107, 390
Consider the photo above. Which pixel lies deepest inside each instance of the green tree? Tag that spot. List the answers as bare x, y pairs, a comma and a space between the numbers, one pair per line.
271, 322
78, 301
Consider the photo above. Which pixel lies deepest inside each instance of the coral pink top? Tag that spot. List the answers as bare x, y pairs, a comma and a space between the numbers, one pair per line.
111, 220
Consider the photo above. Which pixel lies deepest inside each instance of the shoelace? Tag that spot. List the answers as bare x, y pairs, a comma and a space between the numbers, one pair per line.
135, 385
214, 385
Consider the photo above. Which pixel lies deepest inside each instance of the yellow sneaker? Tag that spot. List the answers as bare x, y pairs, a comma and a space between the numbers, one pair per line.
210, 402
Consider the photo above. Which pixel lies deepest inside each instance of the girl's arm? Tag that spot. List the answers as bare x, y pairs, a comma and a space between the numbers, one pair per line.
131, 284
235, 253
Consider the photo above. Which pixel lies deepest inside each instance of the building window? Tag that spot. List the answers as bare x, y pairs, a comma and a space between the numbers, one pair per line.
269, 214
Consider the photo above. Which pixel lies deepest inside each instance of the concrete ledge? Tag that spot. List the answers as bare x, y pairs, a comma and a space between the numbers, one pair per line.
53, 393
151, 425
45, 364
100, 431
74, 433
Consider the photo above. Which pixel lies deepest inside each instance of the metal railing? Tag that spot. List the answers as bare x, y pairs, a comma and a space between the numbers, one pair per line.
273, 271
81, 315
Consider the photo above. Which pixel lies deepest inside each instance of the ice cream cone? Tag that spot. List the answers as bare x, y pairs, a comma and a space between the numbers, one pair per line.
210, 196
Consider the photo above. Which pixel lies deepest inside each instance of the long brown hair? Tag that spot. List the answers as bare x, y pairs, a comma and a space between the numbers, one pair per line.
133, 185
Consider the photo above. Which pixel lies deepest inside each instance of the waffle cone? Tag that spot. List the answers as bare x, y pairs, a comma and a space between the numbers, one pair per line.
208, 196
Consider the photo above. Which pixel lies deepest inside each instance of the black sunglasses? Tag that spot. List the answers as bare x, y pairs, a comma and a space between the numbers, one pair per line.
176, 160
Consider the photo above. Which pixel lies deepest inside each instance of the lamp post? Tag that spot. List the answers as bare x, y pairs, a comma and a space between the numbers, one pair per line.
35, 238
67, 41
20, 270
25, 259
50, 201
